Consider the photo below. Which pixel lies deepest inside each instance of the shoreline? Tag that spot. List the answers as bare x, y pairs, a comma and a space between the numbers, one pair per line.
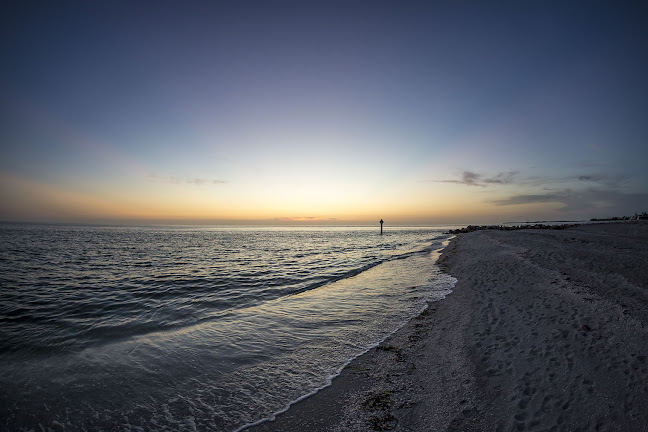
544, 330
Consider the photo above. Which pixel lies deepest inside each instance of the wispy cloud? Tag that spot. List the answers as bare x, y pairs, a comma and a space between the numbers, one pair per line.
303, 219
559, 197
201, 181
180, 180
584, 193
502, 178
607, 180
591, 199
471, 178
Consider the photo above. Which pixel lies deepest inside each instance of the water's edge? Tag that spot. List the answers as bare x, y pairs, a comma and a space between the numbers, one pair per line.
240, 325
331, 378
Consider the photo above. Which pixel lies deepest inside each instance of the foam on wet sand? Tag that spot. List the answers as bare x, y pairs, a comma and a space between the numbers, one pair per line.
545, 330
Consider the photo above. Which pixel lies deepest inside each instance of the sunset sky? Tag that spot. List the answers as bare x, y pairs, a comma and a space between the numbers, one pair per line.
323, 112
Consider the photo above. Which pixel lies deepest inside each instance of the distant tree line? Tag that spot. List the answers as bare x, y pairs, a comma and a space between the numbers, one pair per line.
471, 228
637, 216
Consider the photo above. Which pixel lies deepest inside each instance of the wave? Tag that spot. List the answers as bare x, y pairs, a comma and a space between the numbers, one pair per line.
446, 284
356, 271
167, 301
239, 323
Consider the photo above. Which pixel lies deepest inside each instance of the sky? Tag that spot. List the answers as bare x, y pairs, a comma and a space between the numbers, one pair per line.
282, 112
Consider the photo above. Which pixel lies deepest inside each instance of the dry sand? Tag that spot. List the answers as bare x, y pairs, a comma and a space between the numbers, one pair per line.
545, 330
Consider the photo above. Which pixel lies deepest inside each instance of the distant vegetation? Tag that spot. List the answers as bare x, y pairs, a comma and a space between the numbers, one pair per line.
637, 216
471, 228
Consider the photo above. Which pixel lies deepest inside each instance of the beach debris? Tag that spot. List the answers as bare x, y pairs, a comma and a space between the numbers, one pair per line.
379, 406
390, 348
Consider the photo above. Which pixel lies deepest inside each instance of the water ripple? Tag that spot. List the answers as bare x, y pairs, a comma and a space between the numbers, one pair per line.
235, 319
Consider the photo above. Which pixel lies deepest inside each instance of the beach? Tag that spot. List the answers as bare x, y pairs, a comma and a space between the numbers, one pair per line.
544, 330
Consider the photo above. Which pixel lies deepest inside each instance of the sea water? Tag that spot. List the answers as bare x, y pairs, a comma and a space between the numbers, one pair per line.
195, 328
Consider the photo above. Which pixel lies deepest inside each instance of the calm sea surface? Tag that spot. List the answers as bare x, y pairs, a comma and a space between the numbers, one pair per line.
186, 328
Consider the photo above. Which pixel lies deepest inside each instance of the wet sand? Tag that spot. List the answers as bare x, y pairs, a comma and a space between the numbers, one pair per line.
545, 330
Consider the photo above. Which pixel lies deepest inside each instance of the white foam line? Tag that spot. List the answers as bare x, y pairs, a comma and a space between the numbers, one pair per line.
330, 379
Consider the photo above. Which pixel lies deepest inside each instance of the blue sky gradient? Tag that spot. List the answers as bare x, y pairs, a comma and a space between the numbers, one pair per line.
339, 112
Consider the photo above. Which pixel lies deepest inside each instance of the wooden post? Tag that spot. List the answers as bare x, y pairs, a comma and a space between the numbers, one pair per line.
381, 223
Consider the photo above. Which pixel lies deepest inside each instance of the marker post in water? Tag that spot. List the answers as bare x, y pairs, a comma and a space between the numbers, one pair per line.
381, 222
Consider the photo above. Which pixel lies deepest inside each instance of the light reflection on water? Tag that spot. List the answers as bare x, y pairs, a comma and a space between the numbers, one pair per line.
212, 327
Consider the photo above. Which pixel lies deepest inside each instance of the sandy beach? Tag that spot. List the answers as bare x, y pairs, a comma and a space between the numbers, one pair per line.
545, 330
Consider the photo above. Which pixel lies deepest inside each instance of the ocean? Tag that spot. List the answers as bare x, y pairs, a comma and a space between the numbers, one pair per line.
195, 328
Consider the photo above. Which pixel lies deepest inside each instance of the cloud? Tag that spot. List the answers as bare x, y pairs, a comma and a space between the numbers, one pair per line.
303, 219
591, 193
533, 199
200, 181
178, 180
503, 178
471, 178
589, 200
607, 180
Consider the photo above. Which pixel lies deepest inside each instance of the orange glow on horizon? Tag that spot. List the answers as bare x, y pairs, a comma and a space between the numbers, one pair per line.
31, 200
